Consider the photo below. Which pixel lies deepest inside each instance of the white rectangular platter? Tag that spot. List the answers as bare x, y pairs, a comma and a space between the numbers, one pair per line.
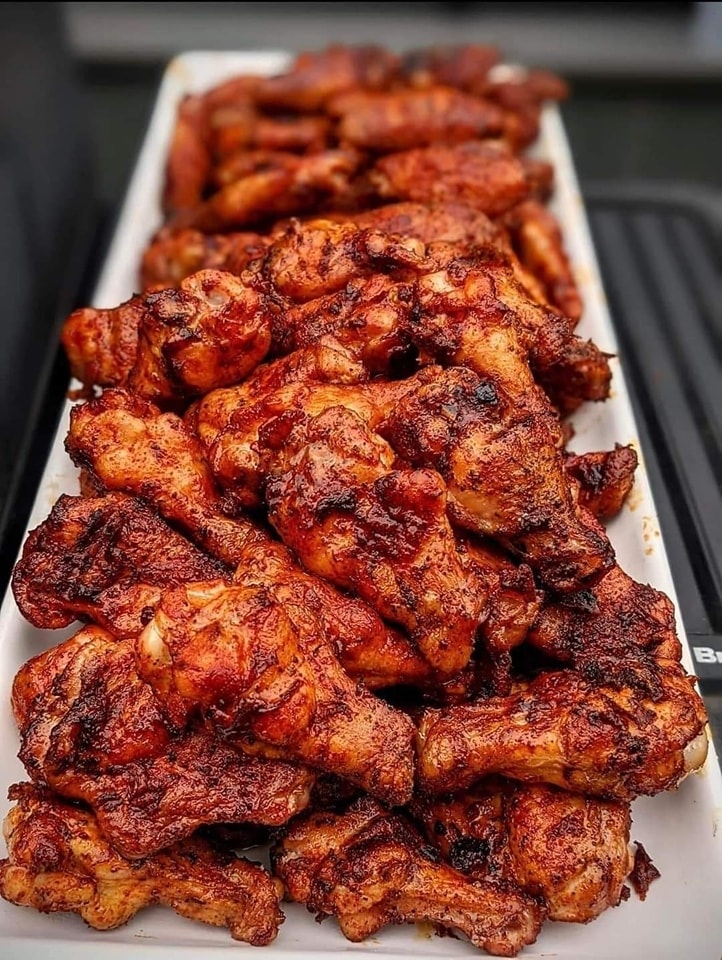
682, 916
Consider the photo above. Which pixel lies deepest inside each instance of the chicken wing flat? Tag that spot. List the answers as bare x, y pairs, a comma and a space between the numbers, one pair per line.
103, 559
570, 850
317, 76
102, 345
93, 731
485, 176
296, 186
236, 130
402, 120
383, 534
370, 868
466, 66
189, 160
59, 860
174, 255
131, 447
605, 478
612, 742
264, 674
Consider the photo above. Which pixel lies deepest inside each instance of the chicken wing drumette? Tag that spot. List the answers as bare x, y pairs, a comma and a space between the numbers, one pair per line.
369, 868
614, 742
59, 860
93, 731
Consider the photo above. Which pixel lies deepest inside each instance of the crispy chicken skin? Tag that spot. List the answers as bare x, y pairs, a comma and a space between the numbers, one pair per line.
370, 868
105, 559
384, 534
466, 66
612, 742
93, 731
404, 119
59, 860
485, 176
263, 673
571, 851
605, 478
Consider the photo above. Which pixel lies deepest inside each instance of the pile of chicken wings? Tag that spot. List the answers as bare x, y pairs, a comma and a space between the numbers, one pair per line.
345, 590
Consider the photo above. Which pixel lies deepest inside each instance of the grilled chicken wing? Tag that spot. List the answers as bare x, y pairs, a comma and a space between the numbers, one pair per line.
570, 850
93, 731
369, 868
610, 742
59, 860
486, 176
104, 559
317, 76
174, 255
189, 159
605, 478
505, 477
404, 119
102, 345
263, 672
466, 66
601, 631
537, 239
131, 447
336, 502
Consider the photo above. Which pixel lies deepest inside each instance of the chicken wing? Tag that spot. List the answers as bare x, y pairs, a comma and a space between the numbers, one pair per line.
93, 731
131, 447
466, 66
174, 255
59, 860
103, 559
485, 176
263, 673
570, 850
605, 478
612, 742
404, 119
369, 868
336, 502
599, 631
317, 76
505, 478
189, 159
102, 345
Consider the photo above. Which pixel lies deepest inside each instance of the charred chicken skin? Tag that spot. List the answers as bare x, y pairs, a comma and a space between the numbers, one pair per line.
370, 868
59, 860
92, 730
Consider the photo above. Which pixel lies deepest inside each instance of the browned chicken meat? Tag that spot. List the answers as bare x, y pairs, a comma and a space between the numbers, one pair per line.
59, 860
105, 559
465, 67
370, 868
102, 345
605, 478
611, 742
571, 851
93, 731
263, 673
336, 501
189, 161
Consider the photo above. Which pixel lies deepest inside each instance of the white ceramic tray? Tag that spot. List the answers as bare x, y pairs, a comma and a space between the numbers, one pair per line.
682, 916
